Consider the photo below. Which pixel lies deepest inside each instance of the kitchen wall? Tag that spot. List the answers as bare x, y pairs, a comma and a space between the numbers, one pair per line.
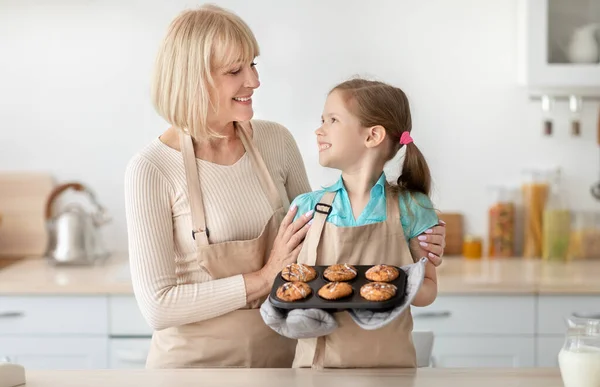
74, 89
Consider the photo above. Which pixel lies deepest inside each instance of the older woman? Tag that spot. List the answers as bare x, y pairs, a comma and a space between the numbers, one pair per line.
207, 203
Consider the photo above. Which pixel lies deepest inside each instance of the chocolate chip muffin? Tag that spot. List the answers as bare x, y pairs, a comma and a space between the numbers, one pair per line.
293, 291
382, 273
378, 291
340, 272
298, 272
335, 290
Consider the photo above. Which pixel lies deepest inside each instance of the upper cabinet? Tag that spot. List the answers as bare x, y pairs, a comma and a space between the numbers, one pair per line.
559, 45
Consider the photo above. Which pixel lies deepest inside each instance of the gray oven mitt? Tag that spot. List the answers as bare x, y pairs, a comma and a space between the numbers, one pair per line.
371, 320
297, 323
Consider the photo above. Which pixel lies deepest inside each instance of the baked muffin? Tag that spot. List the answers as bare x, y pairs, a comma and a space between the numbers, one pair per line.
382, 273
335, 290
340, 272
298, 272
378, 291
293, 291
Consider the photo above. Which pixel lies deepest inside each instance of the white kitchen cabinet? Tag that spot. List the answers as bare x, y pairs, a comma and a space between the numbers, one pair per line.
128, 353
554, 310
55, 352
125, 318
77, 332
477, 315
547, 348
545, 30
489, 352
480, 331
53, 315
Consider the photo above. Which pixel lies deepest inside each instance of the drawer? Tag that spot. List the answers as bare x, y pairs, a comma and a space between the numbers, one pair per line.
128, 353
547, 349
493, 315
554, 310
53, 315
484, 352
52, 353
125, 318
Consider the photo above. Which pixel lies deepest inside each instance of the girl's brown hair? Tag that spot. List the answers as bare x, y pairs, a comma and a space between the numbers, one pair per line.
377, 103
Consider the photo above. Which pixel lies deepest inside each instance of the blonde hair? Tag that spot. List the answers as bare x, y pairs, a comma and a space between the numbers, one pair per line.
197, 42
377, 103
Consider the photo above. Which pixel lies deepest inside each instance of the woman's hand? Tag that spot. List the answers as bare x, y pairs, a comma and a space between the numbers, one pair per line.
287, 244
286, 248
434, 242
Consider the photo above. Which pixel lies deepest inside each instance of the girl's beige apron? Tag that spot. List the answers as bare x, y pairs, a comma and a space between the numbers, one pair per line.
350, 346
239, 338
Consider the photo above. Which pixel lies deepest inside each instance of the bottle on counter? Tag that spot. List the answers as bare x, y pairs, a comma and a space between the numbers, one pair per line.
501, 222
556, 223
584, 242
472, 247
535, 194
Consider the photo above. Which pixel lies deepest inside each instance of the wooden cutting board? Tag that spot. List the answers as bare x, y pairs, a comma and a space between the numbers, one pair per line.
454, 232
23, 198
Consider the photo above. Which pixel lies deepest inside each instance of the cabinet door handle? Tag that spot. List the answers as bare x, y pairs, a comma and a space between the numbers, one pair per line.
593, 316
440, 314
132, 356
12, 313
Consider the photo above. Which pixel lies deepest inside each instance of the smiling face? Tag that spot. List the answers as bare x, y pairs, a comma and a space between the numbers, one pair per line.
203, 73
232, 93
341, 138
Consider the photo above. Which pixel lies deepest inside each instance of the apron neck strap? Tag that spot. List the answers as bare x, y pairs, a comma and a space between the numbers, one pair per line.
392, 206
264, 177
200, 232
322, 210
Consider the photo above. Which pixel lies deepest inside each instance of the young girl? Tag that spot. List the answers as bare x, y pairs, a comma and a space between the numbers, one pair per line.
362, 219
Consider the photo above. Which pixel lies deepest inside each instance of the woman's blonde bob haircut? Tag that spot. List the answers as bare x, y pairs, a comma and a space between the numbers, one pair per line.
197, 43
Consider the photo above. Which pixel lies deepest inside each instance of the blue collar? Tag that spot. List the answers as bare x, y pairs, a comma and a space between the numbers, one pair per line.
339, 185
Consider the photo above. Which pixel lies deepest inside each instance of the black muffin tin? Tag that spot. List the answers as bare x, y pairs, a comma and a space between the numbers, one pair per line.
354, 301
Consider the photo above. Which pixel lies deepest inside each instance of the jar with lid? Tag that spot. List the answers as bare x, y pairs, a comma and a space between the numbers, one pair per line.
501, 222
579, 358
535, 193
556, 223
584, 242
472, 247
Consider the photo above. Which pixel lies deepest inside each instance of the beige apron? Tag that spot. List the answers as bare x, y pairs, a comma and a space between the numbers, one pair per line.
239, 338
350, 346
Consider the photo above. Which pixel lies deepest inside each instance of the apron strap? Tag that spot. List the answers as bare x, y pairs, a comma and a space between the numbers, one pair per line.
319, 358
392, 216
392, 206
199, 231
322, 210
266, 181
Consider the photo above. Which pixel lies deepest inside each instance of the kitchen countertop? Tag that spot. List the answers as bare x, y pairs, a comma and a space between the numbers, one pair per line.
37, 276
455, 276
425, 377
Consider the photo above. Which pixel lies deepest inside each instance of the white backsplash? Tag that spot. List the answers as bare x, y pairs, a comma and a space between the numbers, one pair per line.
78, 72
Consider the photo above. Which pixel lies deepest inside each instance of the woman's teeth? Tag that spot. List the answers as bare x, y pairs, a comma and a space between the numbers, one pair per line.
242, 99
324, 146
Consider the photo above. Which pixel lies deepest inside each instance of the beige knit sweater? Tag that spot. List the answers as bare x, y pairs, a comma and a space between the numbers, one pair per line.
170, 286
